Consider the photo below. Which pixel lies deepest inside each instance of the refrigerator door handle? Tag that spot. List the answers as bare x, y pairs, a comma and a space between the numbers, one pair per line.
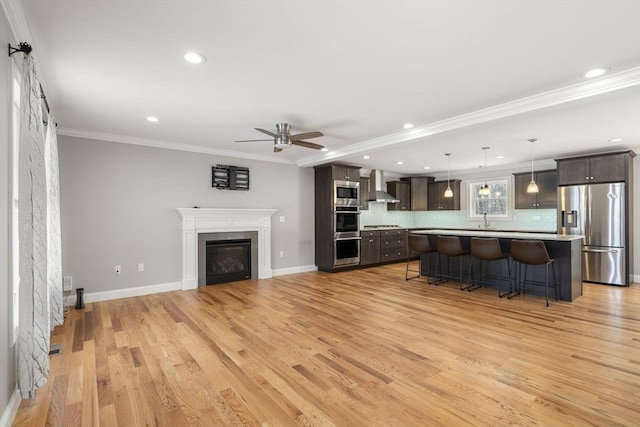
601, 251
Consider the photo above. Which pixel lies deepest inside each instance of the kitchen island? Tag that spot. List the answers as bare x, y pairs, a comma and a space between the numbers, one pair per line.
566, 250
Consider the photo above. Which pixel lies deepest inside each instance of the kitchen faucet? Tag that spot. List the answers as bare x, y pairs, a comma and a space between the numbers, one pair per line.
486, 223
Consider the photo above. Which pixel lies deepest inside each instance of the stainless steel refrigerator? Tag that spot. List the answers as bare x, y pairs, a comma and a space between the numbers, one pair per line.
597, 211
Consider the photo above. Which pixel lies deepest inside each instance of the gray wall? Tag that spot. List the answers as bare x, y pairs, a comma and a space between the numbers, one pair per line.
7, 353
118, 206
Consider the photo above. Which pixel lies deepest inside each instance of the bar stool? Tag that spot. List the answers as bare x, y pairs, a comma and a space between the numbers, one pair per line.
533, 252
419, 243
488, 249
451, 247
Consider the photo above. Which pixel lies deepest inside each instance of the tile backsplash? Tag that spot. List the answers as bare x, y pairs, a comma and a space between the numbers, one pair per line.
522, 219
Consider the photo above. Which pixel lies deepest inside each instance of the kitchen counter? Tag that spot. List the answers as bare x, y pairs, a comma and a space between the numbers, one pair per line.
566, 250
500, 234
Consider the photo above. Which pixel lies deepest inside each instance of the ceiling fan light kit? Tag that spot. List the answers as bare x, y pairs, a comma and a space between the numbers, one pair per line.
283, 139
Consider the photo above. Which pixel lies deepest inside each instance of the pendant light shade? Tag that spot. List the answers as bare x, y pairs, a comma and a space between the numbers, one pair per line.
485, 190
532, 187
448, 192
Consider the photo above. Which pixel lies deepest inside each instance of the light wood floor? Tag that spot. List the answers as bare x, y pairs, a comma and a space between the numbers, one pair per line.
362, 348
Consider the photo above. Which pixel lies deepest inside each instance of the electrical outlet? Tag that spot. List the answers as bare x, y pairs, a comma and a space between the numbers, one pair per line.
536, 218
281, 254
67, 284
282, 219
117, 269
140, 267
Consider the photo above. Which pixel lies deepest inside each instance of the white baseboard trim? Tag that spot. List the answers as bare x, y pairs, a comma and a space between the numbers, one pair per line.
10, 412
635, 278
294, 270
164, 287
125, 293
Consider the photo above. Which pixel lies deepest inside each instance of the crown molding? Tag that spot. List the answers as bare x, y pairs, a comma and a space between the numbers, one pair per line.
123, 139
609, 83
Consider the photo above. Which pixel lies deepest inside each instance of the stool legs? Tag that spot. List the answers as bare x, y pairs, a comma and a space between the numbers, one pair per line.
520, 281
419, 270
470, 287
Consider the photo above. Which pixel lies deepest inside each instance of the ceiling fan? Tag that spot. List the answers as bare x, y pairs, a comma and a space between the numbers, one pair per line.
283, 139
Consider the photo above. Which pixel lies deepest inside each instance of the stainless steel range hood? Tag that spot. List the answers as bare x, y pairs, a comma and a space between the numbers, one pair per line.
376, 193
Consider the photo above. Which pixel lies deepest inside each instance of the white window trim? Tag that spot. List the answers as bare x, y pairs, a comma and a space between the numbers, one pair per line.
468, 202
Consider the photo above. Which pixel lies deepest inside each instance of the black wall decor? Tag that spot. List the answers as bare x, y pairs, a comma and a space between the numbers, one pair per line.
225, 177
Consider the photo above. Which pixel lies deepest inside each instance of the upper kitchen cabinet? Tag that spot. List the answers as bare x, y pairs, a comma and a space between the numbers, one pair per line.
363, 193
608, 167
419, 192
546, 197
437, 201
400, 190
345, 173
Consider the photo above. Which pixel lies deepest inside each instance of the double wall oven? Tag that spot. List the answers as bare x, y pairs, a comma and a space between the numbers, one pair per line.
346, 223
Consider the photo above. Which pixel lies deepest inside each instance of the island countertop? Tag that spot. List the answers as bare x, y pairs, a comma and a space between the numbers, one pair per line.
501, 234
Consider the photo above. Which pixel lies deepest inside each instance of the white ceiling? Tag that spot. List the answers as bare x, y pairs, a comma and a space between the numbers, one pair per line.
354, 70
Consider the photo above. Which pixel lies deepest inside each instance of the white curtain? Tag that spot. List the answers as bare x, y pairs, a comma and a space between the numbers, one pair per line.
37, 288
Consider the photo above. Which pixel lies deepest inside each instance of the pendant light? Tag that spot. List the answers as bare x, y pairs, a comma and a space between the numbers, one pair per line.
484, 190
448, 192
532, 187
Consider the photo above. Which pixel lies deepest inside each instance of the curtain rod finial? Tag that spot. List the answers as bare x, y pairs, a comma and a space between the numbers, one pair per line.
22, 47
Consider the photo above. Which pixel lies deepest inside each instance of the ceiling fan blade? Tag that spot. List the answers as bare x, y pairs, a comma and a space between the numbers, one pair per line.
307, 135
277, 150
254, 140
266, 131
307, 144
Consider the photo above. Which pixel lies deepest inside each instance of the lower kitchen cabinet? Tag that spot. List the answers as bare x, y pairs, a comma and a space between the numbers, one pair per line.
369, 247
379, 246
393, 245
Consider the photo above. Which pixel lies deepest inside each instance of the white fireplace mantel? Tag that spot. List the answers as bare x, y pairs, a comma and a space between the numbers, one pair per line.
216, 220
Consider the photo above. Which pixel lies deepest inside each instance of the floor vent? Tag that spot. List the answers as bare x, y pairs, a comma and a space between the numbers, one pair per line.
55, 349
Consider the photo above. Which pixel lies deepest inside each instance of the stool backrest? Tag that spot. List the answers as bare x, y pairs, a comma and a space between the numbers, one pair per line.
419, 243
486, 248
531, 252
449, 245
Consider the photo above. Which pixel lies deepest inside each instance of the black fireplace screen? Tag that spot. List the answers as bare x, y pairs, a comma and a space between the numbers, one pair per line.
228, 260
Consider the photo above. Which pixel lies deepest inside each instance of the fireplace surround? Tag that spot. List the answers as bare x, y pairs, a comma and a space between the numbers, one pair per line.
196, 221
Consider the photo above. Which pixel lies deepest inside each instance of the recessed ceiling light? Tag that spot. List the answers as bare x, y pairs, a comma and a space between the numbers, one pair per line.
194, 58
366, 157
399, 163
499, 157
426, 167
596, 72
615, 140
325, 149
153, 119
407, 126
331, 153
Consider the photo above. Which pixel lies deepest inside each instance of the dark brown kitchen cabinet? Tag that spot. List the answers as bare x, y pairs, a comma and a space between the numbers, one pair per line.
437, 201
326, 250
419, 192
393, 245
400, 190
345, 173
363, 193
370, 247
608, 167
545, 198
